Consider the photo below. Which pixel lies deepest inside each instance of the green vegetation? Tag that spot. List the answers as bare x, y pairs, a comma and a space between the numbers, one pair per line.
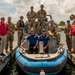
72, 18
62, 25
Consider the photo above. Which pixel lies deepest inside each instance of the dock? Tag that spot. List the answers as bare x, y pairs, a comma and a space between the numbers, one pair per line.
4, 60
71, 56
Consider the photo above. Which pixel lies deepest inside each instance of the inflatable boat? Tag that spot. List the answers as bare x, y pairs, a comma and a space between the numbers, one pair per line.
35, 64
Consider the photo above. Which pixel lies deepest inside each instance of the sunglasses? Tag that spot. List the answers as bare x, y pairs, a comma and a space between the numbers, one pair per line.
32, 31
9, 19
43, 31
2, 19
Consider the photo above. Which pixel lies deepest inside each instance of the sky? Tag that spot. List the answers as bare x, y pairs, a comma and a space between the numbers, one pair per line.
59, 9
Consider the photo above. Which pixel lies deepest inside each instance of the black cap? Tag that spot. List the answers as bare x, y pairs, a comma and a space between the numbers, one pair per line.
21, 17
41, 5
68, 21
31, 7
9, 17
2, 18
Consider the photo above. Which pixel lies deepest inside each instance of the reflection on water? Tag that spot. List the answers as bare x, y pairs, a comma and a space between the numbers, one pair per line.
13, 69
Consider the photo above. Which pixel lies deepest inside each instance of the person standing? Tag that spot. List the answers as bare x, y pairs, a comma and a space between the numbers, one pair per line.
67, 31
3, 35
10, 35
41, 15
73, 37
20, 26
31, 15
33, 41
46, 40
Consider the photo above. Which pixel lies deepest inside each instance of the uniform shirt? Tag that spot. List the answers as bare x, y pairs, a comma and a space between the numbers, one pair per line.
67, 29
52, 28
11, 27
3, 28
45, 39
41, 14
31, 15
20, 24
32, 39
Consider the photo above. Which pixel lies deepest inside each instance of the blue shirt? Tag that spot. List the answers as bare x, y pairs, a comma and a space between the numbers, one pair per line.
32, 38
45, 39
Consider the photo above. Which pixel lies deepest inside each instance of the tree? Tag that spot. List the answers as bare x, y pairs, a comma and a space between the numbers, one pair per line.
62, 23
72, 17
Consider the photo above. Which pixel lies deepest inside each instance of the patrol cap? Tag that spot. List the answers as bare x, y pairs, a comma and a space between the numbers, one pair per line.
21, 17
68, 21
41, 5
31, 7
9, 17
43, 30
51, 20
2, 18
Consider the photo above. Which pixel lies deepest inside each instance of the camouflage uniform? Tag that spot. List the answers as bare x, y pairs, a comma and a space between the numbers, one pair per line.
68, 37
52, 29
41, 15
31, 15
10, 35
41, 25
20, 26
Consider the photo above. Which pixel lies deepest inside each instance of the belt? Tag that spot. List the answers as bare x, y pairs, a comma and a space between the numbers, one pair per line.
2, 34
32, 44
73, 35
20, 29
45, 45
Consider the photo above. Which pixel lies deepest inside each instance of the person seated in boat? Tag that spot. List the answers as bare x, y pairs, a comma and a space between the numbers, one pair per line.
46, 40
31, 16
51, 30
33, 41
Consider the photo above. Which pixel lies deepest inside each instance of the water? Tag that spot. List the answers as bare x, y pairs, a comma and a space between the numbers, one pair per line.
69, 69
12, 69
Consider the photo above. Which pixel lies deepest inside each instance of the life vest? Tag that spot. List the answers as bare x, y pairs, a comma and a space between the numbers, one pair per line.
21, 25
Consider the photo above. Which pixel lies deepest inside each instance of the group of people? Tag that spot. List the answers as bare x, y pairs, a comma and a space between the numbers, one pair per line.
6, 35
7, 30
39, 25
70, 36
32, 16
34, 40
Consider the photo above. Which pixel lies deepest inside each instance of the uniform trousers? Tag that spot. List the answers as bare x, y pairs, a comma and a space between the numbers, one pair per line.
2, 43
73, 42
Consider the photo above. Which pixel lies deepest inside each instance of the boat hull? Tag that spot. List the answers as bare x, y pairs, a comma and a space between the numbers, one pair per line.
33, 67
